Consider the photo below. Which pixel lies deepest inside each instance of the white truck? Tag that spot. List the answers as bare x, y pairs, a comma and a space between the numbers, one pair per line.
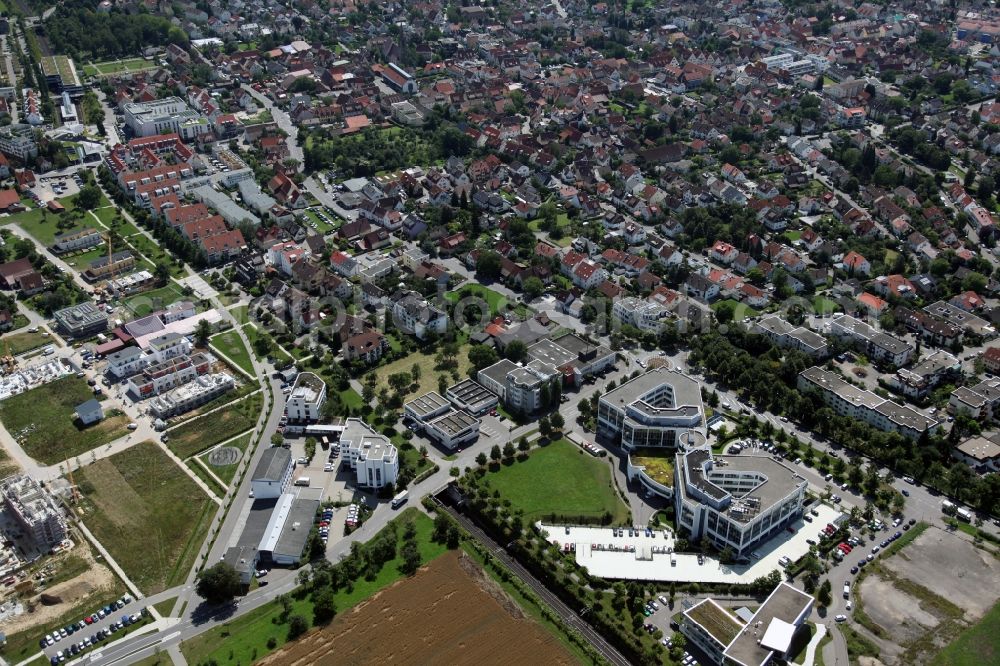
948, 507
400, 499
964, 515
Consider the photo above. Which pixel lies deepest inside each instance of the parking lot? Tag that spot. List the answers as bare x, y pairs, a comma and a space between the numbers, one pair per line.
610, 553
93, 630
48, 188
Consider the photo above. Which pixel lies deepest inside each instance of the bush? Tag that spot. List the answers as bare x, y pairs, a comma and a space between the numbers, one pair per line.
297, 625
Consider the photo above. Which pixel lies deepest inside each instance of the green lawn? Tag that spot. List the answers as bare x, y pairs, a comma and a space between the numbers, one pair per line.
143, 303
240, 314
563, 480
81, 260
18, 343
40, 223
147, 512
44, 423
740, 310
155, 254
108, 216
244, 640
110, 67
227, 472
976, 646
253, 333
198, 434
823, 305
351, 399
428, 375
231, 345
497, 303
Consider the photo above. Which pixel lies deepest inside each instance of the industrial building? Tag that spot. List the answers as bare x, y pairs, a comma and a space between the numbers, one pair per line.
287, 531
661, 408
735, 502
472, 396
34, 510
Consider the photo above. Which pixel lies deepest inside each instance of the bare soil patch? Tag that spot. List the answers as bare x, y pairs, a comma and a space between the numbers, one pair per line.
448, 613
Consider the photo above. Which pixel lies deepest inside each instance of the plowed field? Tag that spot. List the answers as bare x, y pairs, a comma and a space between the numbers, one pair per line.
450, 612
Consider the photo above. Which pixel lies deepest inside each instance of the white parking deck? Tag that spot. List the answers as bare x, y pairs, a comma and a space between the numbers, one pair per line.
646, 558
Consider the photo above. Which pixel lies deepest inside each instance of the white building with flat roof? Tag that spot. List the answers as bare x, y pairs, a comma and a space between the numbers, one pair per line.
735, 502
661, 408
370, 455
306, 399
165, 116
272, 474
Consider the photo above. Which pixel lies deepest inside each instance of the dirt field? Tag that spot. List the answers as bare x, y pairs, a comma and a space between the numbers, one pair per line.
927, 593
70, 591
449, 613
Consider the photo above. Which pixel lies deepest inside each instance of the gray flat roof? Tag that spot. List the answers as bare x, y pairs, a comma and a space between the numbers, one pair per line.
256, 523
455, 422
427, 404
551, 353
786, 603
831, 381
499, 370
273, 464
295, 531
472, 393
686, 392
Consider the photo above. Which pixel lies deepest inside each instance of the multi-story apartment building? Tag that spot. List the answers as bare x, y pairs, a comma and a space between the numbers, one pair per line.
34, 510
849, 400
160, 377
878, 346
197, 392
786, 336
18, 141
412, 314
644, 315
661, 408
76, 239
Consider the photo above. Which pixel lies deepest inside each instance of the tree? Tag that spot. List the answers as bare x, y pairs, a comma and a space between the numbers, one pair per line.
495, 453
488, 266
508, 451
89, 197
823, 595
544, 427
481, 459
411, 558
533, 288
219, 583
482, 356
201, 333
297, 625
516, 351
324, 606
556, 421
415, 373
523, 445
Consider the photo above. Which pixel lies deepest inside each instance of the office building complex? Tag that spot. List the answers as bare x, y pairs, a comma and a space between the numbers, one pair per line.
370, 455
661, 408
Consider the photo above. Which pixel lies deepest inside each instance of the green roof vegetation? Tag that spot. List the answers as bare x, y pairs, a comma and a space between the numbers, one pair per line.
716, 621
658, 466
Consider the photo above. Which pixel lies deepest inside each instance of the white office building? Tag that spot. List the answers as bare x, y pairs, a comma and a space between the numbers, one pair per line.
764, 638
735, 502
661, 408
307, 398
370, 455
644, 315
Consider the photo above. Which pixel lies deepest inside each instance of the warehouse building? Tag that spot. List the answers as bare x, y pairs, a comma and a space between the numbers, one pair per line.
472, 396
287, 531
